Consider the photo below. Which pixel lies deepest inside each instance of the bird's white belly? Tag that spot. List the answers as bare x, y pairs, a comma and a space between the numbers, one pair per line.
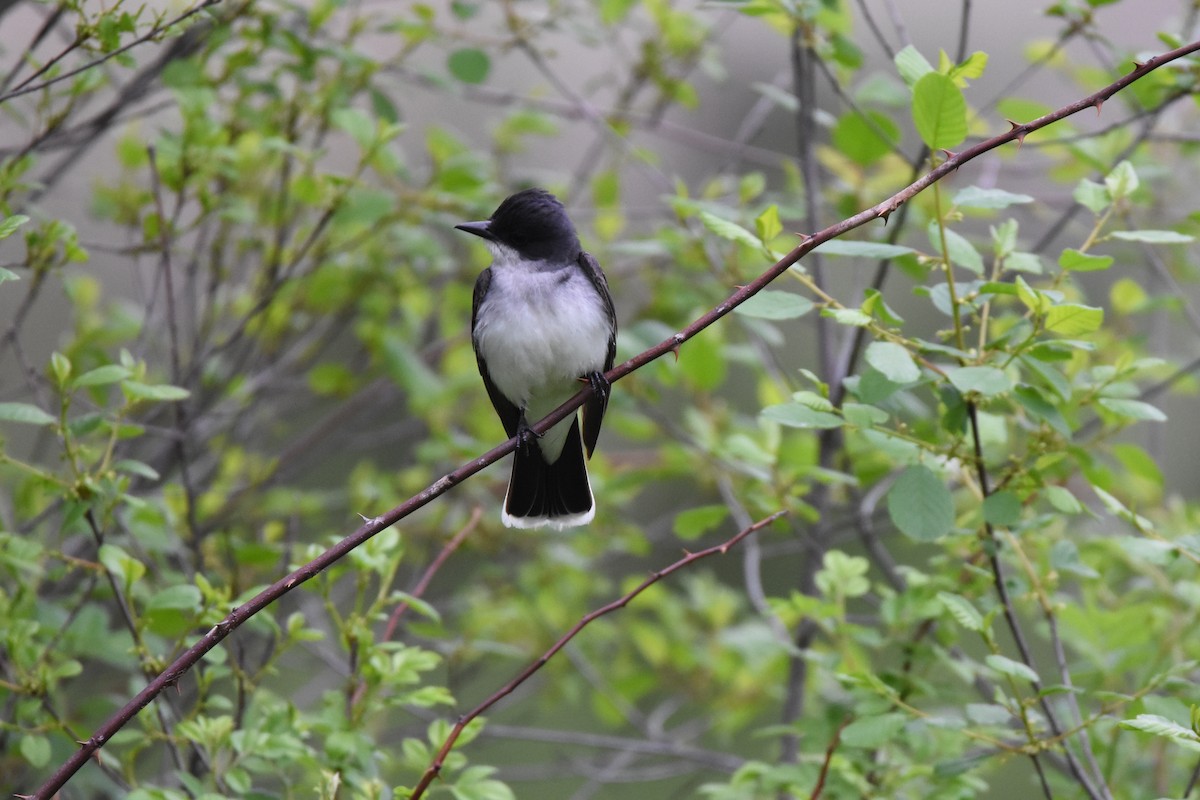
548, 333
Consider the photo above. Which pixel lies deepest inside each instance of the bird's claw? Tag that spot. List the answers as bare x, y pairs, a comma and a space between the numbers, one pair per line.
601, 386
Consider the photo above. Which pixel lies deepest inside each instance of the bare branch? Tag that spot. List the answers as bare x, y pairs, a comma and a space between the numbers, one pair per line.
435, 767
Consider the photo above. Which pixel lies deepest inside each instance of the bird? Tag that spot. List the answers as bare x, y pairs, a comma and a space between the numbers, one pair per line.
543, 323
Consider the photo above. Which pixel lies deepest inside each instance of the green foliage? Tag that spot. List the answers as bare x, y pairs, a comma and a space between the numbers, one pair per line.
234, 315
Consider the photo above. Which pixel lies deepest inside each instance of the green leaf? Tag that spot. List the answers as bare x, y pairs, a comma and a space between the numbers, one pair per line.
987, 381
1002, 509
134, 467
1127, 296
1154, 237
695, 522
356, 123
127, 569
1034, 300
846, 247
774, 304
1062, 499
798, 415
964, 613
894, 361
1165, 728
920, 505
975, 197
181, 597
767, 224
8, 275
1014, 669
25, 413
136, 390
1092, 196
729, 230
469, 64
865, 141
872, 732
35, 749
1132, 409
1072, 319
1075, 261
848, 316
958, 247
939, 111
861, 415
9, 225
1122, 181
101, 376
911, 65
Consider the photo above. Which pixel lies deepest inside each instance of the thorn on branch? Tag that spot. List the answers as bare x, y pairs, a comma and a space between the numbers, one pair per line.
1099, 104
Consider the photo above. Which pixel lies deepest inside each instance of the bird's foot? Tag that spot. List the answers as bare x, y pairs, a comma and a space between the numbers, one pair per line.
601, 386
527, 437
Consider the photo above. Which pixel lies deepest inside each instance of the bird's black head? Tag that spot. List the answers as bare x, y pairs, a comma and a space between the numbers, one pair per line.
532, 222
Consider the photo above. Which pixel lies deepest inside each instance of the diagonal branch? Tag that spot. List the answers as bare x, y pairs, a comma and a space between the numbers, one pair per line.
185, 661
435, 768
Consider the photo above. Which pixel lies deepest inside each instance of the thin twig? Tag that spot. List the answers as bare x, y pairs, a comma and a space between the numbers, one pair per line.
153, 33
435, 767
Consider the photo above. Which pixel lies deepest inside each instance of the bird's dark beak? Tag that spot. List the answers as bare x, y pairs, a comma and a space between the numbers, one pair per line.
481, 229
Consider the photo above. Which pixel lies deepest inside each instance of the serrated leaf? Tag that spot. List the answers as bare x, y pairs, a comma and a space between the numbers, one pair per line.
1161, 726
1014, 669
939, 111
775, 304
920, 505
964, 613
798, 415
1072, 319
975, 197
1154, 237
729, 230
894, 361
25, 413
987, 381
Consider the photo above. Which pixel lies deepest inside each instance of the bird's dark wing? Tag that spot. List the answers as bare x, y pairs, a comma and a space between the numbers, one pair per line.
593, 409
510, 415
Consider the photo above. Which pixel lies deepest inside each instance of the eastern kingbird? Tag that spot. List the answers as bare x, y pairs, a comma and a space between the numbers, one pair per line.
542, 322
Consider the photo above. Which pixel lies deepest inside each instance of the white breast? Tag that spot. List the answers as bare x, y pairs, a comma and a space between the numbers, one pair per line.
539, 332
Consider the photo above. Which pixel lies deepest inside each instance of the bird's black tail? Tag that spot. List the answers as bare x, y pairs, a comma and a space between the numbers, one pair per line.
558, 494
